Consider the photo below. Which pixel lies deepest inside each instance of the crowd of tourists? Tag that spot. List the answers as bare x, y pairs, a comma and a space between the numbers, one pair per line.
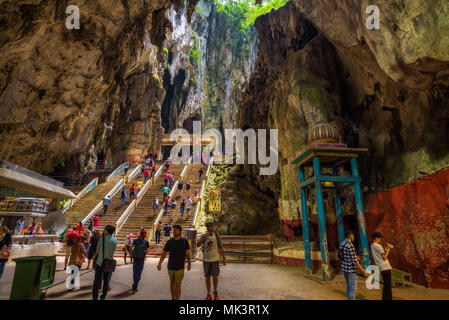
100, 249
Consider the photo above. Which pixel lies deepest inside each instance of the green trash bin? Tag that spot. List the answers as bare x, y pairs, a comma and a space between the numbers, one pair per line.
31, 276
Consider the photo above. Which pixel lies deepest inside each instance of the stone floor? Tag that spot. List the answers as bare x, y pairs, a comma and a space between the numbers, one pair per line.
237, 281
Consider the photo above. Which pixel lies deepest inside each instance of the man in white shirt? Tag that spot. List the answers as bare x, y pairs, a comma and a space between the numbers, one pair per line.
380, 255
212, 247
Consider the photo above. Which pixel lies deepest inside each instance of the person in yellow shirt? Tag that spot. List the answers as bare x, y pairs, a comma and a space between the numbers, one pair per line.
139, 186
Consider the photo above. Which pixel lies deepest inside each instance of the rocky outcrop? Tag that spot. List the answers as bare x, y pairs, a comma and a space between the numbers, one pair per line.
386, 90
72, 94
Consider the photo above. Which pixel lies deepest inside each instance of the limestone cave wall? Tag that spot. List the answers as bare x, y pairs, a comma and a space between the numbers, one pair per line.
386, 90
68, 95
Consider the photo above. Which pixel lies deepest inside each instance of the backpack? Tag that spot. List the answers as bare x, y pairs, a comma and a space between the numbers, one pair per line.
139, 248
71, 240
218, 242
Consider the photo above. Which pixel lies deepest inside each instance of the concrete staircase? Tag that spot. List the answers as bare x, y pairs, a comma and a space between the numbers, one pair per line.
143, 215
173, 216
80, 210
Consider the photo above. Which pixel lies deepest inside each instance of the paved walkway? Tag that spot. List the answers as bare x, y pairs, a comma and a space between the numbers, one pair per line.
237, 281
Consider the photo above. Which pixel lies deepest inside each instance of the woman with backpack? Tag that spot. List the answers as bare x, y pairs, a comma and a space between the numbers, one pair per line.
77, 256
139, 253
5, 247
93, 246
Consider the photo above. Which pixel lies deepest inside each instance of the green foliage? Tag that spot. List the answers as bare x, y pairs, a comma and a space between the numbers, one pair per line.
258, 10
199, 10
195, 54
243, 14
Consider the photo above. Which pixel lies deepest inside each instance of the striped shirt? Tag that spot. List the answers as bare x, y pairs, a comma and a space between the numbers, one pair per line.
349, 263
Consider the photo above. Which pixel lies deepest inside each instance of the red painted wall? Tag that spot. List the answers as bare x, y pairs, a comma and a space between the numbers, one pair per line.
414, 217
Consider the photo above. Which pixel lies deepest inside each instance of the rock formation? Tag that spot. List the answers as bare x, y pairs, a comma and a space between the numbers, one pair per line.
386, 90
68, 94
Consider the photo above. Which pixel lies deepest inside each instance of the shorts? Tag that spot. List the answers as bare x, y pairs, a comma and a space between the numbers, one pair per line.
188, 209
211, 269
176, 276
132, 194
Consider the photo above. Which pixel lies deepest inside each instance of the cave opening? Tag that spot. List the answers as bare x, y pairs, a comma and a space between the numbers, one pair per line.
175, 99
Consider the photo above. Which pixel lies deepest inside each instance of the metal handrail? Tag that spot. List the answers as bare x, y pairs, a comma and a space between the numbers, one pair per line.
170, 195
124, 217
80, 194
111, 193
115, 172
199, 206
134, 172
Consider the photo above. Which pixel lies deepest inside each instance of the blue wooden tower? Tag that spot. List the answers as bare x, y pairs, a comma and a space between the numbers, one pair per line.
324, 152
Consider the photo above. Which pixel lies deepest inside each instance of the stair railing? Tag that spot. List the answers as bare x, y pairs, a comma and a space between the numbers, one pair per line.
124, 217
170, 195
119, 169
111, 194
199, 205
80, 194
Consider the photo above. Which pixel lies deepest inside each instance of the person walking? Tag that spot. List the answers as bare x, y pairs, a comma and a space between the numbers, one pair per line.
171, 179
188, 187
182, 208
77, 256
189, 205
349, 264
132, 192
127, 247
127, 166
201, 172
166, 178
180, 185
153, 172
212, 247
146, 176
19, 226
166, 205
80, 228
380, 255
167, 229
91, 225
178, 249
158, 232
123, 197
139, 254
106, 201
155, 204
93, 246
104, 263
167, 165
5, 247
95, 222
165, 191
142, 169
